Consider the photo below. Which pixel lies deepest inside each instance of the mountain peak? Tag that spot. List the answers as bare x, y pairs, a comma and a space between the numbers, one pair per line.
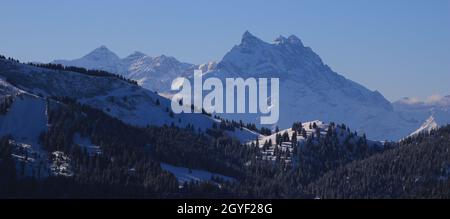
164, 58
282, 55
295, 40
209, 66
135, 55
429, 125
248, 38
100, 58
280, 39
247, 34
102, 48
102, 51
292, 39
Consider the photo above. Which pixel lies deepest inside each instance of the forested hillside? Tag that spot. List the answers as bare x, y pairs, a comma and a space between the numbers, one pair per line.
418, 168
77, 142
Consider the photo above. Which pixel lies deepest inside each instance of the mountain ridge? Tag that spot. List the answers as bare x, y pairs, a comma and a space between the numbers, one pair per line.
152, 72
130, 103
304, 78
310, 89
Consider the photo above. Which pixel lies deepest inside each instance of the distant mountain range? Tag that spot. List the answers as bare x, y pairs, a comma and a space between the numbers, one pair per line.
71, 132
154, 73
310, 89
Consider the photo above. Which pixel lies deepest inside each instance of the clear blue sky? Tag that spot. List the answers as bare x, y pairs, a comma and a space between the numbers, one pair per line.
399, 47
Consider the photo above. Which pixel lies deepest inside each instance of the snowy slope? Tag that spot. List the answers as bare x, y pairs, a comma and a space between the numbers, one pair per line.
7, 89
24, 121
157, 73
309, 89
127, 102
23, 124
427, 127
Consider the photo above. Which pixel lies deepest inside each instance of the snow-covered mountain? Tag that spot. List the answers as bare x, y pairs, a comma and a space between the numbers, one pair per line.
432, 112
309, 89
157, 73
100, 59
427, 126
154, 73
